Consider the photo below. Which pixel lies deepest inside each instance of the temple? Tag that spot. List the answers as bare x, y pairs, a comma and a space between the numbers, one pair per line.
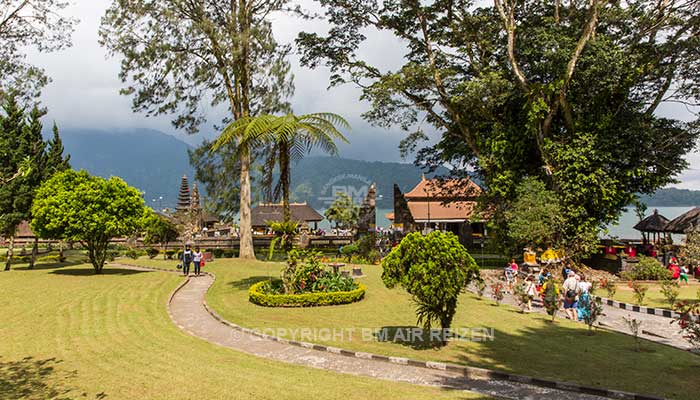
440, 204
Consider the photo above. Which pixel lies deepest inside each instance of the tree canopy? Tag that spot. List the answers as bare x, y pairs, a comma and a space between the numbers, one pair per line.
30, 24
343, 212
565, 92
183, 57
23, 149
75, 206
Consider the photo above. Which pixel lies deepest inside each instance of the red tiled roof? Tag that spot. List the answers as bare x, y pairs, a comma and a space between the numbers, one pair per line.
423, 211
444, 188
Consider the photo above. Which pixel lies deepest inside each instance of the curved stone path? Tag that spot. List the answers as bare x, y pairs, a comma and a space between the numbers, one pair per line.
187, 309
188, 312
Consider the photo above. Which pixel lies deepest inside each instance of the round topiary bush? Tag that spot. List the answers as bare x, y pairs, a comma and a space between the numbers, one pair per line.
263, 294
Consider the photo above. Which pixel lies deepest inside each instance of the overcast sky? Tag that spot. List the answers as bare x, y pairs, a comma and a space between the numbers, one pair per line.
84, 91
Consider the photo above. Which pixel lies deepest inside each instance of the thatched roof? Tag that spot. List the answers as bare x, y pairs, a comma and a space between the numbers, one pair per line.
653, 223
301, 212
684, 222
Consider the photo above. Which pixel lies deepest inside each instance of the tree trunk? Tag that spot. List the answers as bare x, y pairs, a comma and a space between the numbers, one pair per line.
61, 258
35, 252
284, 179
164, 246
10, 250
246, 225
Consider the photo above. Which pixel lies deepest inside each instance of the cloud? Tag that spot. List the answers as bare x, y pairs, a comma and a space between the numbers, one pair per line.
84, 91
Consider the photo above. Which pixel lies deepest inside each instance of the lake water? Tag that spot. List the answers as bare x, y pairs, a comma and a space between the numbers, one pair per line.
623, 230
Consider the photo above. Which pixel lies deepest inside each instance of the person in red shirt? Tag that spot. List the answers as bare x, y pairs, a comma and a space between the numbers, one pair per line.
674, 268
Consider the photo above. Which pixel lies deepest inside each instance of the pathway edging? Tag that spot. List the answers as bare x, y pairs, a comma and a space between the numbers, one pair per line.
659, 312
470, 373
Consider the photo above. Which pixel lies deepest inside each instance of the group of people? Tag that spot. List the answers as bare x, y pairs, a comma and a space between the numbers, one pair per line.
189, 257
678, 273
575, 291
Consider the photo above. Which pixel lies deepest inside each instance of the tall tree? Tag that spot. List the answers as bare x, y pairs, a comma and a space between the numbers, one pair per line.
21, 134
56, 161
177, 55
76, 206
567, 93
25, 24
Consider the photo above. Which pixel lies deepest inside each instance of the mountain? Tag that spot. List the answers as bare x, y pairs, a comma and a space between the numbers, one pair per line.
149, 160
672, 197
154, 162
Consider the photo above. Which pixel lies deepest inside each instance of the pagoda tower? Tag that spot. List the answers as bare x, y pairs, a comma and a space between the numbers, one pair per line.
183, 198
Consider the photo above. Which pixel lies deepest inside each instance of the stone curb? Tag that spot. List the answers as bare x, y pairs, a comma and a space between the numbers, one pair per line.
471, 373
659, 312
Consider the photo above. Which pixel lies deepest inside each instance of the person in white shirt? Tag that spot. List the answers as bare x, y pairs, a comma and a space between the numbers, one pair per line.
197, 260
570, 287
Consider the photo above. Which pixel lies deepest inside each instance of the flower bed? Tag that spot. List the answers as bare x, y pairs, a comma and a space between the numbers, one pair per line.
260, 294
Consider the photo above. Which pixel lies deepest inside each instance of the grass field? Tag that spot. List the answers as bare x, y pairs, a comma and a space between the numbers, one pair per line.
66, 333
654, 297
524, 343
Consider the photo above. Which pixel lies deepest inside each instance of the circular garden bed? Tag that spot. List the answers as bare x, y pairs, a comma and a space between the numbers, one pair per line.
266, 293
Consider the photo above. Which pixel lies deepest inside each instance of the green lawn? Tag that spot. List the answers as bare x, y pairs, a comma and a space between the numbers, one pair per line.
66, 333
525, 344
654, 297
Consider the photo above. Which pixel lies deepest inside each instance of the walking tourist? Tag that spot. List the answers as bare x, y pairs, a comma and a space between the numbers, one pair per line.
530, 291
683, 276
186, 259
197, 260
570, 289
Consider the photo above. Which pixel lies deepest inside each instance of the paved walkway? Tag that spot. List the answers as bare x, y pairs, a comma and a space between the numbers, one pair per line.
654, 328
188, 311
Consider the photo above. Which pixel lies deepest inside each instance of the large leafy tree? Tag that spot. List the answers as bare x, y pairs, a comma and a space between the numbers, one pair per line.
75, 206
567, 92
434, 270
24, 149
177, 56
30, 24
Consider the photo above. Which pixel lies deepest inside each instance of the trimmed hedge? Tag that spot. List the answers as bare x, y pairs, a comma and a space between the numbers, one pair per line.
305, 299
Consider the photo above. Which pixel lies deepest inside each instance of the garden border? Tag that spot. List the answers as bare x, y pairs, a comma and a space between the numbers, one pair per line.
659, 312
470, 373
300, 300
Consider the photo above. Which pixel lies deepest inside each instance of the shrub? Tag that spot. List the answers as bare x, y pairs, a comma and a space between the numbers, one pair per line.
521, 296
367, 248
152, 252
132, 253
634, 325
111, 255
639, 291
229, 253
218, 253
592, 310
433, 269
689, 313
302, 270
480, 288
551, 298
334, 283
262, 294
51, 258
648, 269
170, 254
670, 290
609, 286
349, 250
497, 292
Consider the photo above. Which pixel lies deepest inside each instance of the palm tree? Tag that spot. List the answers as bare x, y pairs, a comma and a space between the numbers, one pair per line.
244, 133
289, 138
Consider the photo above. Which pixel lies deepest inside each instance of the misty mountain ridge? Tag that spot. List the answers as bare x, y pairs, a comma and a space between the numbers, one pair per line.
154, 162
